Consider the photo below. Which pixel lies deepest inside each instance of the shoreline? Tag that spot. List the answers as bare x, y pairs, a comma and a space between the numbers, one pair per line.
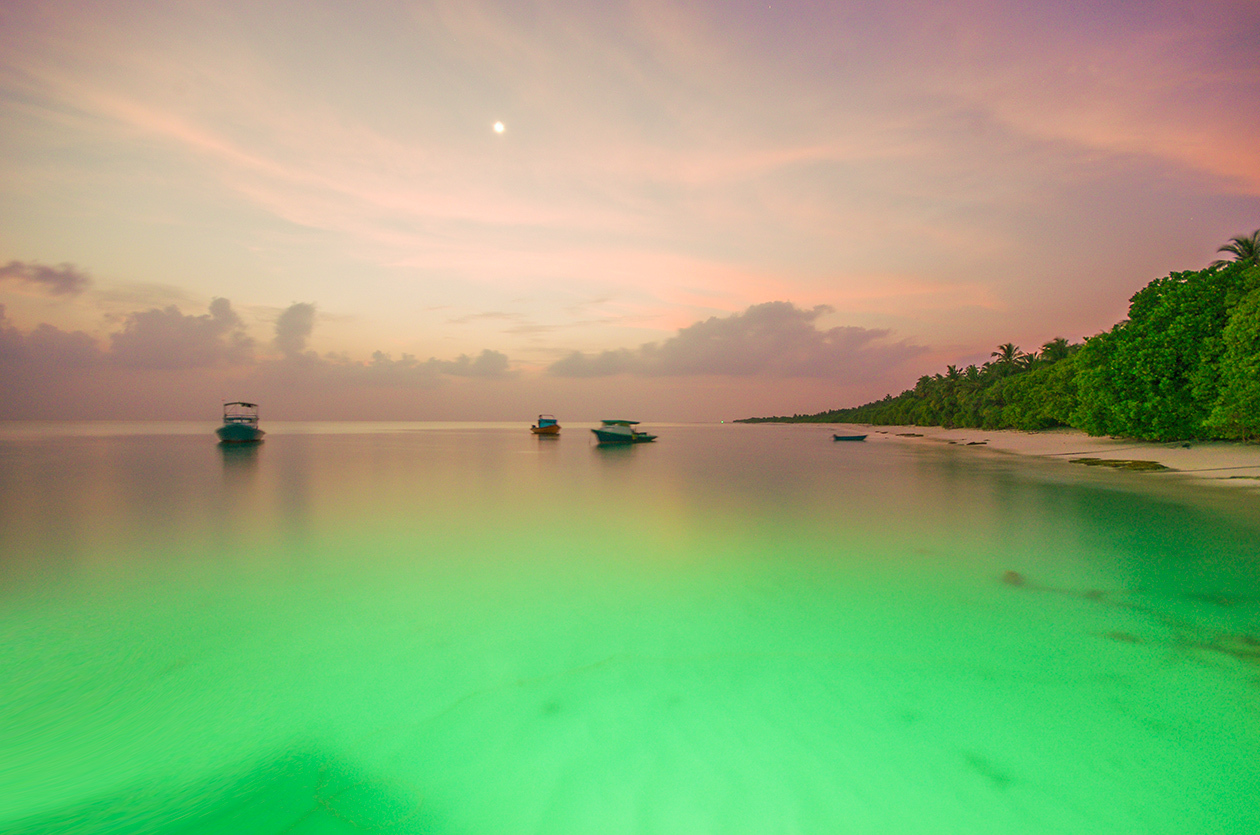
1226, 463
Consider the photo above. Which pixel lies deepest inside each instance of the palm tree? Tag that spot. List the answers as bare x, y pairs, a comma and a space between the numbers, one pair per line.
1055, 350
1006, 353
1244, 248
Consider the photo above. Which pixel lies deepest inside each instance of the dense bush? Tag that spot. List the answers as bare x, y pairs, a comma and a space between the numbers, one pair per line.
1185, 364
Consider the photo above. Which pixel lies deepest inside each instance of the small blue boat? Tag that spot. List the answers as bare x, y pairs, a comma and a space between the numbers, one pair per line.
621, 432
240, 424
546, 426
848, 437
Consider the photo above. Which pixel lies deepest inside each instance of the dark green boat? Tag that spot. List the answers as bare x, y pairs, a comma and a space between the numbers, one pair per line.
621, 432
240, 424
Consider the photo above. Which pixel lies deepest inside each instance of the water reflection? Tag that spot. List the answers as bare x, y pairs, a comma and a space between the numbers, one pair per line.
293, 489
614, 454
239, 460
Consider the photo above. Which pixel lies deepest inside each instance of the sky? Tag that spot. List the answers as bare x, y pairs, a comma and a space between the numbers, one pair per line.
693, 211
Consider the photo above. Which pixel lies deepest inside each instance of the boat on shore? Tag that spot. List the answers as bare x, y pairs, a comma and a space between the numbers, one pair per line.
240, 424
546, 426
621, 432
848, 437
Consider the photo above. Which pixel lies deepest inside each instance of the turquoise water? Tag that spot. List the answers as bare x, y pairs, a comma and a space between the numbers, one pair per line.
448, 628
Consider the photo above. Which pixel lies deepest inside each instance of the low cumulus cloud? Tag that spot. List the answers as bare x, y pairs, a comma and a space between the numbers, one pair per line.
156, 338
775, 339
61, 280
488, 364
167, 338
293, 330
46, 347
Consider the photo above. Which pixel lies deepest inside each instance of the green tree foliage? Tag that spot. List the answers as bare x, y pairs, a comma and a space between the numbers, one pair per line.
1244, 248
1236, 413
1184, 365
1015, 391
1156, 376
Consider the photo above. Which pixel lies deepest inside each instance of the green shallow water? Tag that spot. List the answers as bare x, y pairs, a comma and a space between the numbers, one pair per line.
451, 628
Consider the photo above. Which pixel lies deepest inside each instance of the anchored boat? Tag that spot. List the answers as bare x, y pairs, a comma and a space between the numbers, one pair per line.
848, 437
240, 424
621, 432
546, 425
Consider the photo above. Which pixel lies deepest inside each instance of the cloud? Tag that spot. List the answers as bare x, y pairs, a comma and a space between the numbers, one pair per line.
383, 371
603, 364
472, 317
774, 339
294, 327
61, 280
166, 338
296, 323
128, 296
46, 347
488, 364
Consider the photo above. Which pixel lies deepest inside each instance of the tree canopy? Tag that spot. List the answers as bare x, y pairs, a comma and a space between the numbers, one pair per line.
1184, 365
1244, 248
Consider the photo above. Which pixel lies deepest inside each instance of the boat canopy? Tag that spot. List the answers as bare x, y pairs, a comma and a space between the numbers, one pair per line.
620, 422
546, 420
240, 412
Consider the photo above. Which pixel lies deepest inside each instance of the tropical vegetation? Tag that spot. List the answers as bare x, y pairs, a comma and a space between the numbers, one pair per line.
1184, 365
1245, 248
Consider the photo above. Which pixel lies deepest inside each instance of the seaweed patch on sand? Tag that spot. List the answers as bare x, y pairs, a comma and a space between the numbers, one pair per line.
1120, 463
1184, 633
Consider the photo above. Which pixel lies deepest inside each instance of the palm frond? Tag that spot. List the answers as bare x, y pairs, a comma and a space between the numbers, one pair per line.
1244, 248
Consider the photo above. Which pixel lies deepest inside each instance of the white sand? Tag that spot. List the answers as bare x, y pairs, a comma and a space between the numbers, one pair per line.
1225, 463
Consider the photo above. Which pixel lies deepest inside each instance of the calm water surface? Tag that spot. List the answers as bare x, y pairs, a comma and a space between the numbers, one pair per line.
445, 628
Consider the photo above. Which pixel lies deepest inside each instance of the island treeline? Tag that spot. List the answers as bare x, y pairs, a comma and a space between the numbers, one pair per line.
1185, 365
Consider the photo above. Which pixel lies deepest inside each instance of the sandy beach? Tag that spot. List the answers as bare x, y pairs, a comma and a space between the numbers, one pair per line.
1226, 463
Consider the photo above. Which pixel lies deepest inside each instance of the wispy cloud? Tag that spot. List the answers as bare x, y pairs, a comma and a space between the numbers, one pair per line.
61, 280
933, 169
488, 315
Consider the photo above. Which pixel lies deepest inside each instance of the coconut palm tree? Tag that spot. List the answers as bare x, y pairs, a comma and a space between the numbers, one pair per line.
1006, 353
1245, 248
1055, 350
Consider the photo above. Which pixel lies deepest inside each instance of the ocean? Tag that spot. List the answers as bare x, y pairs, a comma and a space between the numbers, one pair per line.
462, 628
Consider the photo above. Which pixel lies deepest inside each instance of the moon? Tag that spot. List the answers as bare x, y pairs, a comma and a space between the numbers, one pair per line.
498, 127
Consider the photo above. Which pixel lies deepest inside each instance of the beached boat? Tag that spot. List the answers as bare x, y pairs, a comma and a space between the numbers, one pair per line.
621, 432
240, 424
848, 437
546, 425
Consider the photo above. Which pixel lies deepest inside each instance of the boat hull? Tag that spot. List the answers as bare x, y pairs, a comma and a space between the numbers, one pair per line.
553, 429
848, 437
239, 433
607, 437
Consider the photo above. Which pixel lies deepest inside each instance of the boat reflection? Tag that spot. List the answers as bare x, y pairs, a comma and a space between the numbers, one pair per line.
239, 459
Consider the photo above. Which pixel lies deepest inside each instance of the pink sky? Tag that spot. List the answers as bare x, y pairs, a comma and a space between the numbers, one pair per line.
793, 206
